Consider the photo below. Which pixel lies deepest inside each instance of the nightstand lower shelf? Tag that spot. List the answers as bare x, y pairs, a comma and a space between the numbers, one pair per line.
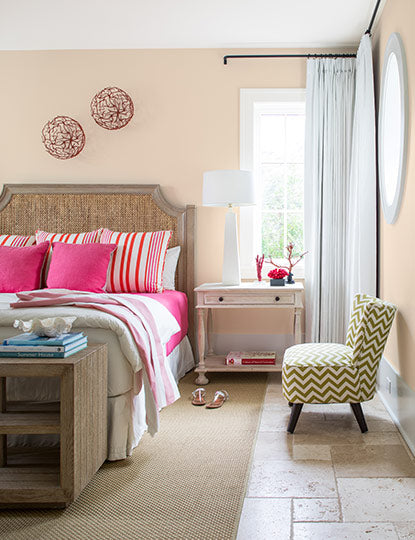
216, 363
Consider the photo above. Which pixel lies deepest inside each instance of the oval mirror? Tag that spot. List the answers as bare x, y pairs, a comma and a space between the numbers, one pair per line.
393, 122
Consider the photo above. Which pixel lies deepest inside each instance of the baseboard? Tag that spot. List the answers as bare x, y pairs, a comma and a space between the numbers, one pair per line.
399, 400
223, 343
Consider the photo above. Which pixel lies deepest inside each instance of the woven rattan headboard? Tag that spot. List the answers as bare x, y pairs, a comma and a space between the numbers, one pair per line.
76, 207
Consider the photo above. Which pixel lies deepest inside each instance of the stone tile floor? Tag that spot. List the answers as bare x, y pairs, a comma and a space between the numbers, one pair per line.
328, 481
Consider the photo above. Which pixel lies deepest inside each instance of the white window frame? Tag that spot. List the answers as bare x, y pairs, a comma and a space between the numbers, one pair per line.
251, 100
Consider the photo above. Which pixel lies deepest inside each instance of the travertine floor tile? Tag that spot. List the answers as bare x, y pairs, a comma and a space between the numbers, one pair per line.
316, 510
328, 436
318, 452
377, 499
377, 437
344, 531
292, 479
406, 531
377, 461
265, 518
273, 445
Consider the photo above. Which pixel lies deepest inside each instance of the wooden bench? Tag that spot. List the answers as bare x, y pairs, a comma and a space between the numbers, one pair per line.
80, 419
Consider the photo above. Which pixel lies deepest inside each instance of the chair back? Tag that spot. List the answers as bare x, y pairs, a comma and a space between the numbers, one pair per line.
369, 327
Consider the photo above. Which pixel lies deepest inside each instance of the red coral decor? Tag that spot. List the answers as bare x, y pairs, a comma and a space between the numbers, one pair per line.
112, 108
63, 137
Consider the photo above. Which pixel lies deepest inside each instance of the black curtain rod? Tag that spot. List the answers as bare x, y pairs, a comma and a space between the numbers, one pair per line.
372, 20
311, 55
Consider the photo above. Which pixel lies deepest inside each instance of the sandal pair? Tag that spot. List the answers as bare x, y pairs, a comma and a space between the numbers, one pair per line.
218, 400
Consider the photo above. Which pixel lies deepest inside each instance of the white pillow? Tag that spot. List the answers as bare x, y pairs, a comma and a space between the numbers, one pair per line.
169, 273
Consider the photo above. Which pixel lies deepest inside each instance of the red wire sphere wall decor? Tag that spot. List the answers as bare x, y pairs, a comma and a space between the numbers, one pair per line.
63, 137
112, 108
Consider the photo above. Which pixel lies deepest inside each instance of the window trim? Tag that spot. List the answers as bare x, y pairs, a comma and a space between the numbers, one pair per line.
247, 215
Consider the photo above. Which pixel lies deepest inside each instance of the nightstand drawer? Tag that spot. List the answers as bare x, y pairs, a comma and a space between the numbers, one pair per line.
227, 299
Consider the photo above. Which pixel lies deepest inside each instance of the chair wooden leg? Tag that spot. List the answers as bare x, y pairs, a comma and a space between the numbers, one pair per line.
360, 417
295, 413
290, 404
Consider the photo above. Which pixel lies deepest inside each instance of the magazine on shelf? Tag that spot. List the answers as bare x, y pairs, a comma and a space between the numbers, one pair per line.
241, 358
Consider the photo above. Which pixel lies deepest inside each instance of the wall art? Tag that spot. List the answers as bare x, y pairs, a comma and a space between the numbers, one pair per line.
63, 137
112, 108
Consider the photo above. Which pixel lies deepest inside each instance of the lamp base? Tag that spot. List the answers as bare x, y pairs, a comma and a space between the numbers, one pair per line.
231, 273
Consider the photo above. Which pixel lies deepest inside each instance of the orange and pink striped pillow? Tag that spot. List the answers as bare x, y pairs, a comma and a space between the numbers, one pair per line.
138, 263
16, 240
91, 237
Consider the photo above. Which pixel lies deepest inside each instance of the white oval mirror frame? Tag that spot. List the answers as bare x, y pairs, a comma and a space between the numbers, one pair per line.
393, 126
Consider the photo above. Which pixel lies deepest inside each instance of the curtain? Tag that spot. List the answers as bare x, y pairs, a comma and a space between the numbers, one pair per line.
329, 123
361, 234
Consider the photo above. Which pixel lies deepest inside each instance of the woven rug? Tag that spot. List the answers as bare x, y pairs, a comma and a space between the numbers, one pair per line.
187, 483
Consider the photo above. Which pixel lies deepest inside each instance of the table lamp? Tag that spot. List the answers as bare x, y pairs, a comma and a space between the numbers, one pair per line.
229, 188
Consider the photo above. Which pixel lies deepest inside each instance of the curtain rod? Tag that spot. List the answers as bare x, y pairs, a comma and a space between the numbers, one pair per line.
311, 55
372, 20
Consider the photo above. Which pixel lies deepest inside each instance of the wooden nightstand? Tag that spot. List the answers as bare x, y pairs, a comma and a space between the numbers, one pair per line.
80, 420
245, 296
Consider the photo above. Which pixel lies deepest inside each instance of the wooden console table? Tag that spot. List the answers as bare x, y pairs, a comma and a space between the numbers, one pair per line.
81, 422
211, 296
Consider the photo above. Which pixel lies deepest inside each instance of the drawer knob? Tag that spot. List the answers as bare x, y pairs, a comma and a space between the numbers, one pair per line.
220, 298
277, 298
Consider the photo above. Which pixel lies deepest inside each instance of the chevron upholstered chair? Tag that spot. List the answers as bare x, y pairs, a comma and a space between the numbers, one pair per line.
335, 373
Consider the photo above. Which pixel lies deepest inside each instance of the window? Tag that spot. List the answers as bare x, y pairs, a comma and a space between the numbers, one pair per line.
272, 146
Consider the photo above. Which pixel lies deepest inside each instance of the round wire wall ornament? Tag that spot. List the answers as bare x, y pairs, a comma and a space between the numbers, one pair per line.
112, 108
63, 137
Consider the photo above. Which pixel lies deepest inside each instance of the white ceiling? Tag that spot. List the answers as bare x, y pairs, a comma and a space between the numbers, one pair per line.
126, 24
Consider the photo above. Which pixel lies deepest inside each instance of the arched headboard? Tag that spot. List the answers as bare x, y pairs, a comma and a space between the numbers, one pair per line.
84, 207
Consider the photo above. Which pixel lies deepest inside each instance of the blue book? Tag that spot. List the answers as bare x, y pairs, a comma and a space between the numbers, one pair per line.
43, 348
33, 339
23, 354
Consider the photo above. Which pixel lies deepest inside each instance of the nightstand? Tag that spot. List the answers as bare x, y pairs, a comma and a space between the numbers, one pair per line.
211, 296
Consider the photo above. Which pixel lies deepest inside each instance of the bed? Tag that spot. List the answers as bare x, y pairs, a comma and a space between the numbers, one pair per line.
25, 208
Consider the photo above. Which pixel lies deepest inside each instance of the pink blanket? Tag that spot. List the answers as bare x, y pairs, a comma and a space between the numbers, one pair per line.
140, 321
176, 303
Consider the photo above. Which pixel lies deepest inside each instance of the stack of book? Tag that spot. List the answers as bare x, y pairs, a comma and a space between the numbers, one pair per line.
34, 346
241, 358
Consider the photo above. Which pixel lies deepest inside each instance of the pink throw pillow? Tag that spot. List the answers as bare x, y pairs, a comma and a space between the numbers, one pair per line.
21, 267
79, 267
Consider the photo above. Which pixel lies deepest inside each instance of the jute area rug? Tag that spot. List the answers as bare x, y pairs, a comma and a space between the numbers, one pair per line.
187, 483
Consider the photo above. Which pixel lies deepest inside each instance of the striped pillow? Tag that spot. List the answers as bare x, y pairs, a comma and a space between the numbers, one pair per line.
138, 263
91, 237
16, 240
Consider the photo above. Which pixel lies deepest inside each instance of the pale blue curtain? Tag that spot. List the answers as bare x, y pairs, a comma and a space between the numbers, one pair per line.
329, 123
361, 223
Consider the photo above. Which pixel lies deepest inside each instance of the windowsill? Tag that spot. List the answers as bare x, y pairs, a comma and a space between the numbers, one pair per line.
249, 274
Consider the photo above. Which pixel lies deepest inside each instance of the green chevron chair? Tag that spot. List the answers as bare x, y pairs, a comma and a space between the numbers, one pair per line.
335, 373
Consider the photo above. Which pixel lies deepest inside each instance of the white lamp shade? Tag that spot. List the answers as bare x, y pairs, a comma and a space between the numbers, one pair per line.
228, 187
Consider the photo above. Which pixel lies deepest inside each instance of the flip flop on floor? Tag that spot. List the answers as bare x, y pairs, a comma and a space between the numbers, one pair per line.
199, 396
218, 400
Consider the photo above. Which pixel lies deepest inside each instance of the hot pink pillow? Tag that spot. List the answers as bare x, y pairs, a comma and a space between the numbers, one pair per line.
21, 267
80, 267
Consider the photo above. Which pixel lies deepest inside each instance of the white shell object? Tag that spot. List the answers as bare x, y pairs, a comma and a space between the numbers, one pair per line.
51, 327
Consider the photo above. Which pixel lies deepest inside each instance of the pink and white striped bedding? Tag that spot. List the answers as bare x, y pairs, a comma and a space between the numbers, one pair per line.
134, 312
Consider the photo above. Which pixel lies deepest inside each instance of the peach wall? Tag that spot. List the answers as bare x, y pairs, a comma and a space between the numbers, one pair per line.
397, 254
186, 122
